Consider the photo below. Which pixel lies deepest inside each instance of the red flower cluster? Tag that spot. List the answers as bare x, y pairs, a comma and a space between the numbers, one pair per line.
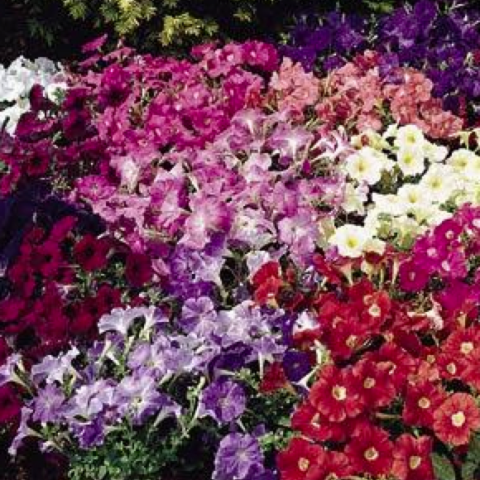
404, 368
61, 284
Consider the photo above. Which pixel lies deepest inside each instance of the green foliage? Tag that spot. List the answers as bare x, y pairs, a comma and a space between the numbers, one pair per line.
57, 28
471, 466
126, 454
443, 468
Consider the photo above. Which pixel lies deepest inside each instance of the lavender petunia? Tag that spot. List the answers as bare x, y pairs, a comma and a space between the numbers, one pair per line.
137, 397
49, 404
223, 400
239, 456
54, 369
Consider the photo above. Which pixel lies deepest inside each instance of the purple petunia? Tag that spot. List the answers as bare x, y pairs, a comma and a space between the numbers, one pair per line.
223, 400
49, 404
239, 456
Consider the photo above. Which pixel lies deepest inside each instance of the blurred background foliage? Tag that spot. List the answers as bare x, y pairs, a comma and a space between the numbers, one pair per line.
56, 28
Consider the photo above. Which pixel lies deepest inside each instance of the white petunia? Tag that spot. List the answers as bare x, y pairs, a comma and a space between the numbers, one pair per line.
391, 204
439, 182
409, 136
350, 240
435, 153
367, 165
411, 160
355, 198
462, 160
413, 197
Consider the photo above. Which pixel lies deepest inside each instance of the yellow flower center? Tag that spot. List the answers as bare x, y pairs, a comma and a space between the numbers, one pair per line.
414, 462
424, 403
451, 368
352, 242
466, 348
369, 382
351, 341
339, 393
315, 420
375, 310
458, 419
371, 454
303, 464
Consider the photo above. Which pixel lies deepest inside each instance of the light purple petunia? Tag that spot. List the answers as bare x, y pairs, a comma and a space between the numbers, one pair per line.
223, 400
49, 404
240, 457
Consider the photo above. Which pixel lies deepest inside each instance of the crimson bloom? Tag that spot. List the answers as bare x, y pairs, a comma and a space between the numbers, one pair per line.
412, 458
138, 269
375, 385
370, 452
91, 253
335, 394
10, 404
274, 379
421, 402
334, 465
310, 423
456, 418
297, 460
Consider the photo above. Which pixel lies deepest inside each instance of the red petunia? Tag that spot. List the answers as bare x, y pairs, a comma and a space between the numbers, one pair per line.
297, 460
274, 379
91, 253
138, 269
22, 278
370, 452
375, 385
421, 401
412, 458
311, 424
335, 465
267, 282
376, 308
10, 404
46, 259
463, 344
397, 362
456, 418
335, 394
267, 270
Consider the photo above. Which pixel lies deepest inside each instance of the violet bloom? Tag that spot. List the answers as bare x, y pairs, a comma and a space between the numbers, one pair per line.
198, 314
238, 457
208, 216
7, 371
296, 365
49, 404
138, 397
54, 369
224, 401
89, 434
22, 432
90, 401
120, 320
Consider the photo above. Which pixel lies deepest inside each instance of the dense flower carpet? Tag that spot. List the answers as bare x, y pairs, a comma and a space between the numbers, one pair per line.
257, 262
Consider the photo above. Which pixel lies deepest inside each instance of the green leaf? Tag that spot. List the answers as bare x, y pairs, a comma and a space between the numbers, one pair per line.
443, 467
474, 449
468, 470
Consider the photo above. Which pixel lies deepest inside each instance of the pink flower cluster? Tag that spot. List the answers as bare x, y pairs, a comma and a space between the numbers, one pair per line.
357, 95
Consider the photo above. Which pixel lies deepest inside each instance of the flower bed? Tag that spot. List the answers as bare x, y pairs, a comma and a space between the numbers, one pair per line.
227, 267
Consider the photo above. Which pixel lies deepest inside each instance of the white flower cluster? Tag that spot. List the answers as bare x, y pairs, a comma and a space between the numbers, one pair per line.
16, 82
401, 184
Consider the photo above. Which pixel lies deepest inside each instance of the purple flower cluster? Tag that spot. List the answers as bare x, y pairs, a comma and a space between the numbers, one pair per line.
440, 38
130, 374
